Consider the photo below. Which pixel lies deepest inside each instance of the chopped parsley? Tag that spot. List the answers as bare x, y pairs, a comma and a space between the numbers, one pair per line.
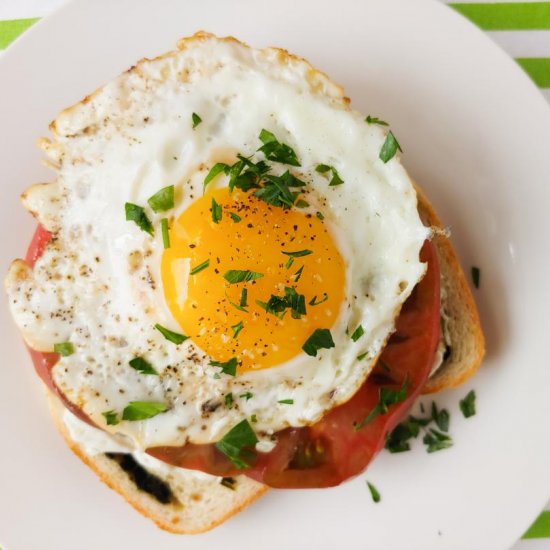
320, 339
325, 169
476, 276
135, 213
200, 267
217, 169
301, 203
142, 410
286, 401
373, 492
244, 296
236, 444
389, 148
293, 255
229, 482
386, 398
357, 333
235, 217
441, 417
174, 337
468, 404
241, 276
228, 367
162, 200
298, 274
228, 399
397, 441
165, 233
111, 418
277, 305
143, 366
361, 356
237, 306
276, 151
246, 395
314, 302
436, 441
64, 349
237, 328
375, 120
320, 215
253, 418
216, 211
196, 120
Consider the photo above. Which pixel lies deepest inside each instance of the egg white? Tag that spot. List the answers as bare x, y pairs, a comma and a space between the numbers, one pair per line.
98, 282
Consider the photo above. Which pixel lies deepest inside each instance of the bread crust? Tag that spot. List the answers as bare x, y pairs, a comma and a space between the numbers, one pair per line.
459, 308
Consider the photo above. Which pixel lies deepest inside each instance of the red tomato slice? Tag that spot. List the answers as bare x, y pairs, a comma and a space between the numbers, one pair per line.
332, 450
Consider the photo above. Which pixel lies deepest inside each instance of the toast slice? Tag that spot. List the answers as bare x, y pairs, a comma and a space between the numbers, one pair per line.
177, 500
460, 319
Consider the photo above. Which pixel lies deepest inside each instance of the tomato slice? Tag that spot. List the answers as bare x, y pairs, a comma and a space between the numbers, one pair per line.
333, 450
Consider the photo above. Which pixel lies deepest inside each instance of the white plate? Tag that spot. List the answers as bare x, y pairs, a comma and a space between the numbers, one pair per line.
475, 133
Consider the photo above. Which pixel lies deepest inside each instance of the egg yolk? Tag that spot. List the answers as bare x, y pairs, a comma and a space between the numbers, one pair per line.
288, 253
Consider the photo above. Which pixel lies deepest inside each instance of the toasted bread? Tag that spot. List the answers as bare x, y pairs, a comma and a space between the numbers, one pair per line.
459, 312
187, 503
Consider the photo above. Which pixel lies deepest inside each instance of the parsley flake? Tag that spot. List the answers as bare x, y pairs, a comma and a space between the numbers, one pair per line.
136, 213
196, 120
162, 200
228, 367
142, 410
229, 482
246, 395
375, 120
286, 401
293, 255
298, 274
277, 151
468, 404
237, 329
217, 169
374, 492
236, 444
361, 356
64, 349
441, 417
320, 339
357, 333
389, 148
386, 398
216, 211
436, 441
335, 179
200, 267
165, 233
143, 366
235, 217
228, 399
314, 302
241, 276
111, 418
174, 337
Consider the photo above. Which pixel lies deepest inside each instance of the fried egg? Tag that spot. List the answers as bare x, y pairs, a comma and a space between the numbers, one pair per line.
221, 304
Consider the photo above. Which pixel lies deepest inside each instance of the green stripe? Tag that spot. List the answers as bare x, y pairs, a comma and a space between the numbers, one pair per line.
10, 30
500, 16
538, 68
540, 529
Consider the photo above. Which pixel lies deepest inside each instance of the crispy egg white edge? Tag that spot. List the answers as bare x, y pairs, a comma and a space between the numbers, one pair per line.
98, 283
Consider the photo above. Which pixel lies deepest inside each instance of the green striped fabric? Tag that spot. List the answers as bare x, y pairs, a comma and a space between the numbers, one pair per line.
489, 16
10, 30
